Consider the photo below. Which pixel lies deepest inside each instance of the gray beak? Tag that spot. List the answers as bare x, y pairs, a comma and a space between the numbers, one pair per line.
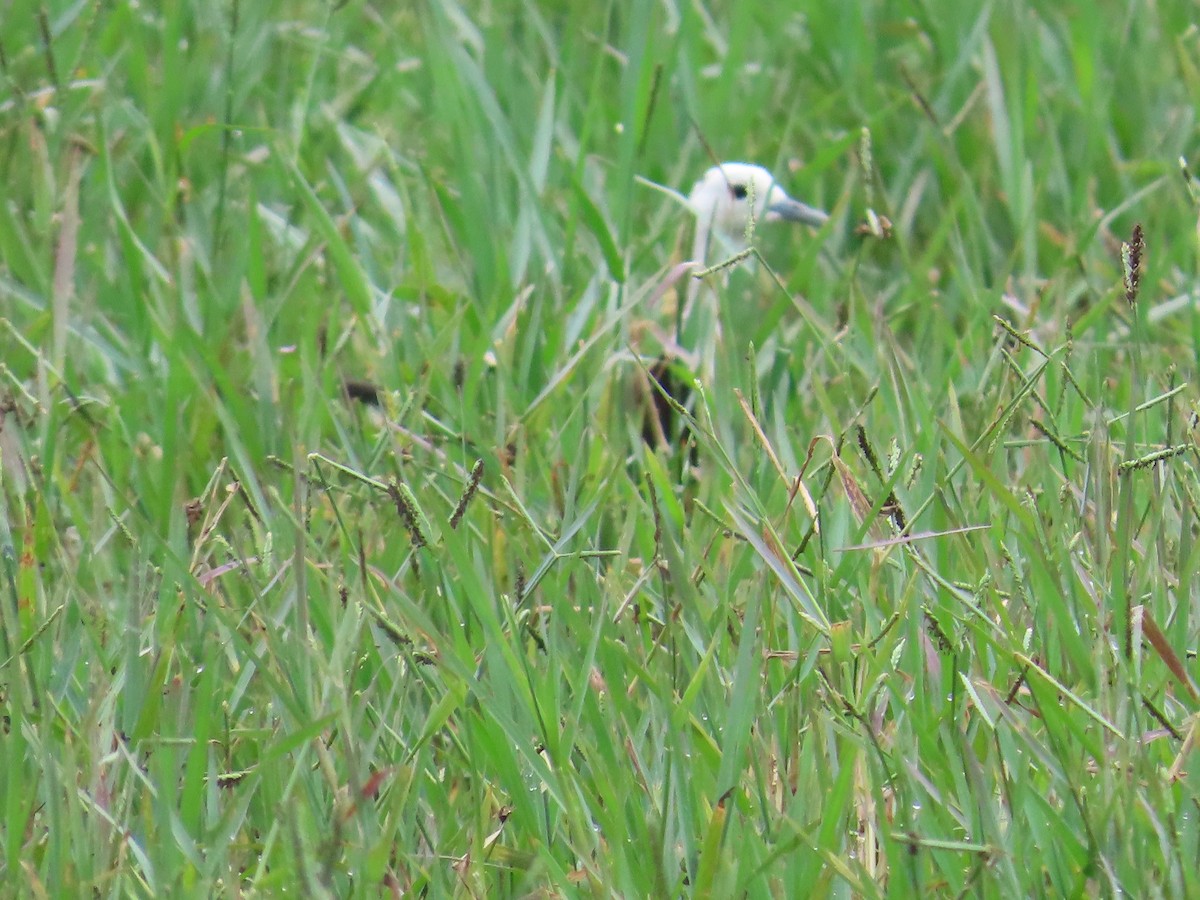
794, 211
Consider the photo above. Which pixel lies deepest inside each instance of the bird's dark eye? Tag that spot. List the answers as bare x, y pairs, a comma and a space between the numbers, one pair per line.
739, 191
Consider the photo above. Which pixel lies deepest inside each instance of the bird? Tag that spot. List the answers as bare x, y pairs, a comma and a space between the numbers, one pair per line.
730, 198
728, 202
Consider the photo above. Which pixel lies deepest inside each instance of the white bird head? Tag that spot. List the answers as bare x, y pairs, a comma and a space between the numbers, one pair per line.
722, 200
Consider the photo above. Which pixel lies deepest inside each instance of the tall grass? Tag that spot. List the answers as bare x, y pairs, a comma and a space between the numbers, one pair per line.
922, 617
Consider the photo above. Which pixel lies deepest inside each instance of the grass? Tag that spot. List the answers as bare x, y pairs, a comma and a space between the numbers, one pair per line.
923, 619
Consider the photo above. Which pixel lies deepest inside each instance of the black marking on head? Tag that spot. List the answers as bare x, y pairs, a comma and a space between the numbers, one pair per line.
739, 191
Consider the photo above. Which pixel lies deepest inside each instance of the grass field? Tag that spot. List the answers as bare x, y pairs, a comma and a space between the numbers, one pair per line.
923, 617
